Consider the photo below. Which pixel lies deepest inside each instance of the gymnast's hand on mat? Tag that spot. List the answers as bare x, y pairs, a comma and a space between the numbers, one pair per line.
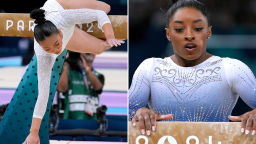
248, 121
113, 42
147, 119
32, 138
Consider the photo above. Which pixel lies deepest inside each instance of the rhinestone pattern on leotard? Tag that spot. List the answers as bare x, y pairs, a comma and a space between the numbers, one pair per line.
205, 92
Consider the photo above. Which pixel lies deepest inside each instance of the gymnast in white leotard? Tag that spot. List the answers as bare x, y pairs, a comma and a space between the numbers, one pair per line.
191, 85
54, 30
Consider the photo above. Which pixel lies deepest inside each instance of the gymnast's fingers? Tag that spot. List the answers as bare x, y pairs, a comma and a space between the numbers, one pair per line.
115, 42
111, 43
244, 120
164, 117
134, 119
153, 120
108, 42
121, 41
27, 141
236, 118
141, 123
254, 126
147, 123
118, 43
249, 124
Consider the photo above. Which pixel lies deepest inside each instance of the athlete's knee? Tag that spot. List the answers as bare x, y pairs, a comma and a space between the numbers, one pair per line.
106, 8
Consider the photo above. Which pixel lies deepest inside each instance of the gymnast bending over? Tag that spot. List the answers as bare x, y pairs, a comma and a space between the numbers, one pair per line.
54, 31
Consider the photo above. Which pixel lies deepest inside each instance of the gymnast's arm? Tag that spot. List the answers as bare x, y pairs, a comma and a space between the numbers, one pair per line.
241, 80
77, 16
138, 98
44, 69
139, 91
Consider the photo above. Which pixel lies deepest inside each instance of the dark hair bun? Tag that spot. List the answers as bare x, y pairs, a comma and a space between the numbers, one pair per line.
38, 14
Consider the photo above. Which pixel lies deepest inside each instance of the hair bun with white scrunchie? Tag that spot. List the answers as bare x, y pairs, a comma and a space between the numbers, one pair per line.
38, 15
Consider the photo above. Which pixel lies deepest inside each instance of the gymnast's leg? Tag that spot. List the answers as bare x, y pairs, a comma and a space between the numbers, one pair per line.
91, 4
84, 43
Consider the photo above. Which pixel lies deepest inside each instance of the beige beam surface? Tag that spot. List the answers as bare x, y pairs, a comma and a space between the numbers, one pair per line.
83, 142
192, 133
12, 24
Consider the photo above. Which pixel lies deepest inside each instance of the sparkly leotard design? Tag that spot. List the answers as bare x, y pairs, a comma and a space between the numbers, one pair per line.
205, 92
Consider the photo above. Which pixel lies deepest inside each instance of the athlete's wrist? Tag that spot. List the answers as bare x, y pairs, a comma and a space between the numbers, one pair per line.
108, 31
110, 36
34, 131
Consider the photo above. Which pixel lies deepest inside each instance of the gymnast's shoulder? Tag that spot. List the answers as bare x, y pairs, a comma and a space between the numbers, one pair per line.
155, 62
232, 64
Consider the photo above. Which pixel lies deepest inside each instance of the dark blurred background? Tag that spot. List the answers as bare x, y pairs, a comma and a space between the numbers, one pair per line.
233, 33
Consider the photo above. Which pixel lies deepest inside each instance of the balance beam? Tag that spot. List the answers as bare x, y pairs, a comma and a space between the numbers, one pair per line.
192, 133
20, 25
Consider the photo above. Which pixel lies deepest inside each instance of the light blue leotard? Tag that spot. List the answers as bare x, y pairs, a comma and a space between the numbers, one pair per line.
203, 93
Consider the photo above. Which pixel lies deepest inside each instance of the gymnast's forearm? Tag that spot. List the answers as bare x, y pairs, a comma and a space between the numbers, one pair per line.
36, 122
44, 69
108, 31
242, 81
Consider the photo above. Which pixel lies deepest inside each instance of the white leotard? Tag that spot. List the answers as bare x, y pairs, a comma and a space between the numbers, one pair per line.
205, 92
65, 19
